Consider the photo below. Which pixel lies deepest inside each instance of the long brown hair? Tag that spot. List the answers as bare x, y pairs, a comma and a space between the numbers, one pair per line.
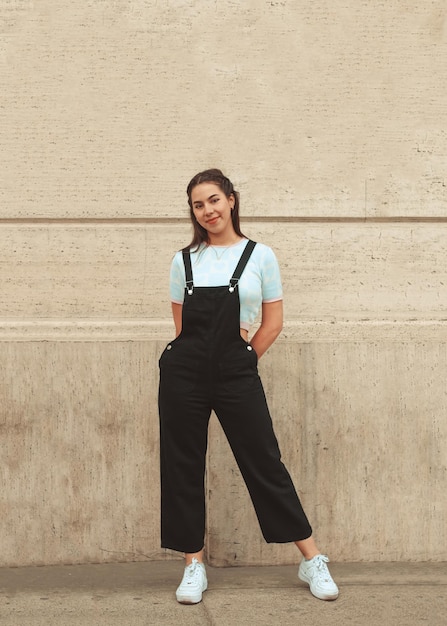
200, 235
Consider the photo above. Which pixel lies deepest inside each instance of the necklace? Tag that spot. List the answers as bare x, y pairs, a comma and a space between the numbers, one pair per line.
219, 256
223, 249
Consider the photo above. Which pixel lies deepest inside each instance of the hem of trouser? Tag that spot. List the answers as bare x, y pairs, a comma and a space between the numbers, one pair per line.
177, 549
289, 540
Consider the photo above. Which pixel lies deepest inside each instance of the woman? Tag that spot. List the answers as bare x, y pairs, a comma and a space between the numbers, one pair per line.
218, 284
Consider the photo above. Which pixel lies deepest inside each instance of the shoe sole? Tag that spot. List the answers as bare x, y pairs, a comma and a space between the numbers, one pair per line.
189, 599
321, 597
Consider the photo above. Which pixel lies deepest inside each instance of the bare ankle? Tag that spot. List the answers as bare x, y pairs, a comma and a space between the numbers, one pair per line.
308, 548
189, 556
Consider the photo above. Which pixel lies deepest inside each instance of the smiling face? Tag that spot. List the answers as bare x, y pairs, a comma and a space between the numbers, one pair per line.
212, 210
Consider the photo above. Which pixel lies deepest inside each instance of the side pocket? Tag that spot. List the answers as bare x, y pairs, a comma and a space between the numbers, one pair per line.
167, 349
239, 369
253, 351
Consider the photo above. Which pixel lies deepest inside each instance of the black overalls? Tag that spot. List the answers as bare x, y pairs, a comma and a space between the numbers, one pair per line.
210, 366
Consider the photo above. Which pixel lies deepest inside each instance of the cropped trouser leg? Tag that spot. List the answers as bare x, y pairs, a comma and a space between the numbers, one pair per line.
246, 420
183, 443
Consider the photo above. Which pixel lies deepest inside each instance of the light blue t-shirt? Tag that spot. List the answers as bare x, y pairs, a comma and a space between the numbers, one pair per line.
213, 266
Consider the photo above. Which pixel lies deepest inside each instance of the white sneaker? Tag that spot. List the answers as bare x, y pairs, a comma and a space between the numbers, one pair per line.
194, 582
315, 572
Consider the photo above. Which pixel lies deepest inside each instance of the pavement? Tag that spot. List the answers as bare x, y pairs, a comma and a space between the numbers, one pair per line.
136, 594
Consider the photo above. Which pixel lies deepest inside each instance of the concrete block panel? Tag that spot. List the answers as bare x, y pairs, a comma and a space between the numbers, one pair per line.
360, 424
80, 463
102, 117
362, 431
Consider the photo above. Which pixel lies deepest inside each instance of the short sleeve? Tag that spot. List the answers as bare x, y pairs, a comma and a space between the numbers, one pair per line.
177, 279
271, 277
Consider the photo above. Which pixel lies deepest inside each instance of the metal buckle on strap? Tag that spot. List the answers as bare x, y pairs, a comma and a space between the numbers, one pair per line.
189, 287
233, 283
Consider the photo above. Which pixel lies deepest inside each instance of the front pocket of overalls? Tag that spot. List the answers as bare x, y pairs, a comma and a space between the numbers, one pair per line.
178, 373
238, 370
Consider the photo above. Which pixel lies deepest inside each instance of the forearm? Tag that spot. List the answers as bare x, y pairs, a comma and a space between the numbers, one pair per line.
271, 326
263, 339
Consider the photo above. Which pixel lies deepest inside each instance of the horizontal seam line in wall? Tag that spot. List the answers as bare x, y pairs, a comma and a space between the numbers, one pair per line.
85, 330
244, 219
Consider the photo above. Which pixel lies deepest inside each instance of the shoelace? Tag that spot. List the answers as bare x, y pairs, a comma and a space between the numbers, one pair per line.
192, 571
322, 569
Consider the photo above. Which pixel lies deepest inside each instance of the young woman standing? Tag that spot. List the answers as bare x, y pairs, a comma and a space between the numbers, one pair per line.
218, 285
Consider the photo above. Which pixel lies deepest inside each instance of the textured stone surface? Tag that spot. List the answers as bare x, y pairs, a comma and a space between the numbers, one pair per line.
315, 108
331, 272
79, 452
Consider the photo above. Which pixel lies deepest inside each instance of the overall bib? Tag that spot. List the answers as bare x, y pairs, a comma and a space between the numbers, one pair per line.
209, 366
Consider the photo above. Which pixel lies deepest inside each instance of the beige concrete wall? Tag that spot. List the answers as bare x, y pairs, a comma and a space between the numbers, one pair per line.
331, 119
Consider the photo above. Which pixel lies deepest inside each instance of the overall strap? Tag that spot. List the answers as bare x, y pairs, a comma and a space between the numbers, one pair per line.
188, 271
241, 265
